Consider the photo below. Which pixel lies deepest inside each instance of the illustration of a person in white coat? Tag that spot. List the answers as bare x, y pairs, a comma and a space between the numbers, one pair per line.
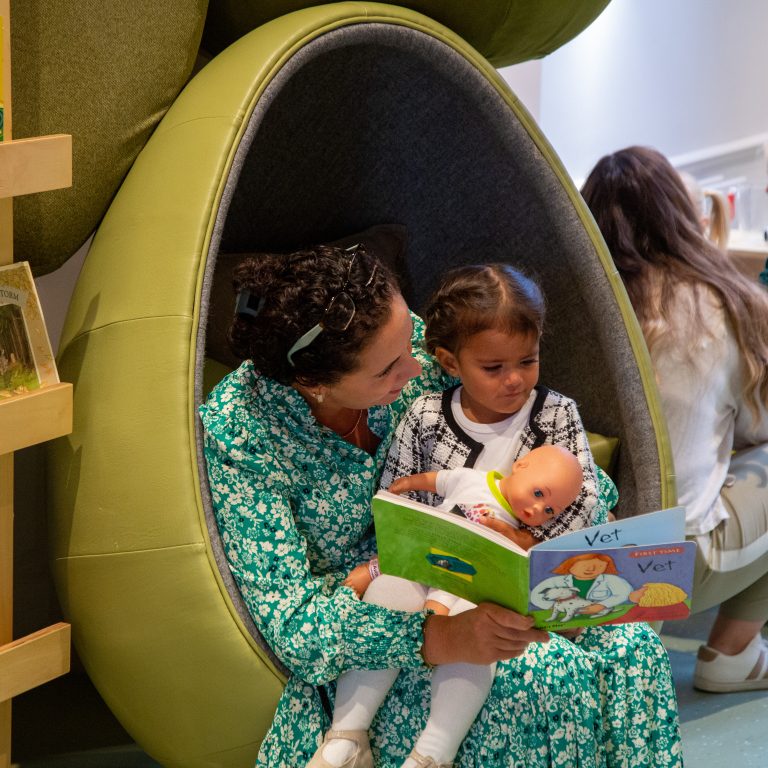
592, 577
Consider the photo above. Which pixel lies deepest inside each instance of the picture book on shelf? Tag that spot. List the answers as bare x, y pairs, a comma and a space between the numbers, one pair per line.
26, 358
635, 569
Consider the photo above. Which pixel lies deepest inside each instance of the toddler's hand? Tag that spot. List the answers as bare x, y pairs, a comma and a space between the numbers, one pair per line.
359, 579
400, 485
438, 608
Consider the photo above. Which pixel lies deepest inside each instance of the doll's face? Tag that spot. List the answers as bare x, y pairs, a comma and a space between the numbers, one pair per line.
542, 484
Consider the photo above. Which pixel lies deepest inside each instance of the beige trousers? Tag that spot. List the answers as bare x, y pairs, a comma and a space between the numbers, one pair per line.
734, 573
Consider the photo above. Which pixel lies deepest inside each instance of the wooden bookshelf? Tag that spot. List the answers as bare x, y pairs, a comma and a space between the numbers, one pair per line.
749, 251
35, 165
35, 417
27, 166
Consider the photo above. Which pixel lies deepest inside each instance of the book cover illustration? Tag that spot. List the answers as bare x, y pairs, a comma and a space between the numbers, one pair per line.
26, 358
637, 569
578, 588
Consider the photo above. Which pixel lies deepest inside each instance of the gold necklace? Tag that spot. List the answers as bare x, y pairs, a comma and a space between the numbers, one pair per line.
354, 426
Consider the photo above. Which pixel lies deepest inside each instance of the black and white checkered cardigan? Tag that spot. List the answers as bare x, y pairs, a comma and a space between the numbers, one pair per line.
428, 438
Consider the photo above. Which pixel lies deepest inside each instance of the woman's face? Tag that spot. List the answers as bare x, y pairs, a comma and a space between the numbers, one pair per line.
588, 569
385, 365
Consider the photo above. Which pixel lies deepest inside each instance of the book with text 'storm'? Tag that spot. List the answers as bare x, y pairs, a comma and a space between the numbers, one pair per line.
26, 358
635, 569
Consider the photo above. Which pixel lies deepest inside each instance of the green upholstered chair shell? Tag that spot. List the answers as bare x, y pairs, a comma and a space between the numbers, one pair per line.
316, 125
106, 73
504, 31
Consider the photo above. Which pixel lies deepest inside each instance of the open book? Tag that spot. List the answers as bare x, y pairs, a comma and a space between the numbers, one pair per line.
636, 569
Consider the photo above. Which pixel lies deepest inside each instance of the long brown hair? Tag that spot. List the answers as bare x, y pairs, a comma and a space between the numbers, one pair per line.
652, 230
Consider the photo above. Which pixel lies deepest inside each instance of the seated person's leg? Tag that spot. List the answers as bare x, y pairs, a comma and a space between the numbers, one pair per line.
359, 693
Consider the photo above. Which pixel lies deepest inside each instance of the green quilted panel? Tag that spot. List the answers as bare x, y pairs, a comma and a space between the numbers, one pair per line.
104, 71
504, 31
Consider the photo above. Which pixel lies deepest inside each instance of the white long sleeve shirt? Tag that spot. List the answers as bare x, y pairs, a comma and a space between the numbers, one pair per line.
700, 376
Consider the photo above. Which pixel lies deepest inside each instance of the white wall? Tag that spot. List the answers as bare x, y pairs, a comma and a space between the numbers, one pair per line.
679, 75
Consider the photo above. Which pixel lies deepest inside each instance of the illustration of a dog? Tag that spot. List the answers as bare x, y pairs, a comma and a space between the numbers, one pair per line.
566, 601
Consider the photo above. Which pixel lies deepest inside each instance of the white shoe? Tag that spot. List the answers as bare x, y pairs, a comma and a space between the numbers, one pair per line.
717, 672
360, 758
426, 762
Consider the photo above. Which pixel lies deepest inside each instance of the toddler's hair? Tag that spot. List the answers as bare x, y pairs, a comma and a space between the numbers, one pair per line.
482, 297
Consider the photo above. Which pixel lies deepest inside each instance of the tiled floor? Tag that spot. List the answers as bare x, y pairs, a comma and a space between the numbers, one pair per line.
718, 729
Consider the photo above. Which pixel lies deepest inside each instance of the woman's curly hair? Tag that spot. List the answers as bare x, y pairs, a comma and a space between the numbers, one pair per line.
293, 293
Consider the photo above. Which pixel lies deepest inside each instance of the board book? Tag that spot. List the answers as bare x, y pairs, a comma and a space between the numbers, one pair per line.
635, 569
26, 358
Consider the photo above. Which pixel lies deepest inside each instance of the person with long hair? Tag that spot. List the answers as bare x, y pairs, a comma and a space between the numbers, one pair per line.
712, 209
706, 328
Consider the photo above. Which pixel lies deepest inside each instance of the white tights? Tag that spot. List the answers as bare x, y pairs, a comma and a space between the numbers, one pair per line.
458, 690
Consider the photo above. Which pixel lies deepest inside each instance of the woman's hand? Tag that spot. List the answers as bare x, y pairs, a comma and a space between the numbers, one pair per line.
481, 635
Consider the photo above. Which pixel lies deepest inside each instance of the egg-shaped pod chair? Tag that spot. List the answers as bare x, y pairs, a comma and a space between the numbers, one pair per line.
315, 126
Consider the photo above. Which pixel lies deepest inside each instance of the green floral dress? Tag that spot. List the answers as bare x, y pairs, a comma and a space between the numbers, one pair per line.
292, 505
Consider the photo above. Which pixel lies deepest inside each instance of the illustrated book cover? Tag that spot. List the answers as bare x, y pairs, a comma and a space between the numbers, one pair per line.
635, 569
26, 358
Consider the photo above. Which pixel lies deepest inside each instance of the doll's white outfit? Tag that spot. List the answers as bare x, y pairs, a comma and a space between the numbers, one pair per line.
472, 491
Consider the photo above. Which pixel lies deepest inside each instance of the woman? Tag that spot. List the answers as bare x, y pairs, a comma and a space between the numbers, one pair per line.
295, 442
706, 327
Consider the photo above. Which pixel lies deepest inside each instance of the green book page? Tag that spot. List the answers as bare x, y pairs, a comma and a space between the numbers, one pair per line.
444, 550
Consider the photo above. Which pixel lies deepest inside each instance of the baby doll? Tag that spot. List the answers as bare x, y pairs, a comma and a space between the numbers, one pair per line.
539, 487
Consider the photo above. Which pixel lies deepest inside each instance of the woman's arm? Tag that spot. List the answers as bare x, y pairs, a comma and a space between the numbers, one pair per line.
316, 627
487, 633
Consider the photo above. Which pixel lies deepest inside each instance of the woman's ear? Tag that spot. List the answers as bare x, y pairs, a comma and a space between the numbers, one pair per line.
448, 360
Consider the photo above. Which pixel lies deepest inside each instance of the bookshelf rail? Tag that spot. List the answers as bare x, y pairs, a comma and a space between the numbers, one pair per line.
27, 166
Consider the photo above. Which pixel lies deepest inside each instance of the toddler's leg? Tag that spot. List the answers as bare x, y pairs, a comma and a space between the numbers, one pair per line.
458, 694
359, 693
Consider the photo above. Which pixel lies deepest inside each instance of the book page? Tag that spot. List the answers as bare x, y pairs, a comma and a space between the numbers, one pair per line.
662, 527
26, 359
444, 550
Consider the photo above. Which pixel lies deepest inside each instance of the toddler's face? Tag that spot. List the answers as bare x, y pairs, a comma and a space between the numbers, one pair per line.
498, 371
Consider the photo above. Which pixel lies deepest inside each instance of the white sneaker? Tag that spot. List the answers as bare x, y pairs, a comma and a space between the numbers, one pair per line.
746, 671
